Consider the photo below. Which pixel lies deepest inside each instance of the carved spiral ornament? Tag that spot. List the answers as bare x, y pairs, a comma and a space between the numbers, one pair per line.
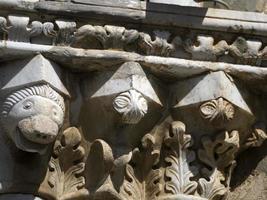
131, 105
217, 111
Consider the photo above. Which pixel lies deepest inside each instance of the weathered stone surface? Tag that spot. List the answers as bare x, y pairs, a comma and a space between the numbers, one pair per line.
36, 70
129, 99
18, 197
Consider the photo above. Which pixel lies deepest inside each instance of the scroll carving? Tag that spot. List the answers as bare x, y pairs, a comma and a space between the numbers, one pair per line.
128, 143
29, 30
165, 44
158, 42
104, 37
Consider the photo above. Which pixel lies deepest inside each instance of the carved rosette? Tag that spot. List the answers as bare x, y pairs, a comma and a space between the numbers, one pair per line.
117, 155
218, 111
131, 105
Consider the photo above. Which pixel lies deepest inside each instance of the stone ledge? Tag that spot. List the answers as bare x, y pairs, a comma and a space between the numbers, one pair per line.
149, 14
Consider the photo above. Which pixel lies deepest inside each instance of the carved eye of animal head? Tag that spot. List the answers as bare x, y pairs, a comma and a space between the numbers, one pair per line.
32, 117
28, 105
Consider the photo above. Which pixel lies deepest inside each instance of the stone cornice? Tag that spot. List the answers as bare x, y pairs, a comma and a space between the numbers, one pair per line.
91, 60
128, 101
147, 14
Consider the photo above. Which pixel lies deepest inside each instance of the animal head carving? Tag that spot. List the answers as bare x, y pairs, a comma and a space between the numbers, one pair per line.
32, 117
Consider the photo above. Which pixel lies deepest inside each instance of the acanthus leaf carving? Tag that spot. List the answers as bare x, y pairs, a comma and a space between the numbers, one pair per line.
157, 42
99, 165
212, 187
179, 173
221, 152
257, 137
66, 167
204, 48
142, 181
219, 158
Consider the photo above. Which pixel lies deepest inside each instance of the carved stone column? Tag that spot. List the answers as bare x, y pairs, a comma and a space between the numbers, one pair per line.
134, 100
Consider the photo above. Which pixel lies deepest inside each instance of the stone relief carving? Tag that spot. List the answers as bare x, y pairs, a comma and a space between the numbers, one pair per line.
65, 174
160, 43
169, 168
217, 111
128, 132
180, 171
131, 105
171, 163
32, 117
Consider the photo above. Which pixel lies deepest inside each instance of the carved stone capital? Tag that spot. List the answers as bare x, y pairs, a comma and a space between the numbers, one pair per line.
130, 99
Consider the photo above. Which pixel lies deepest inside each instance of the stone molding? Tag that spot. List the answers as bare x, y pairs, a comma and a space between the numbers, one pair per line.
93, 111
158, 43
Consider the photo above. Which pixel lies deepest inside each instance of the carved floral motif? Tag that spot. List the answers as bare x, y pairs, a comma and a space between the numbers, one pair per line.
171, 170
164, 166
131, 105
217, 111
257, 137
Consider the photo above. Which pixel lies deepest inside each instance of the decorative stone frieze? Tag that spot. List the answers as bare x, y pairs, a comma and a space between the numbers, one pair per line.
160, 43
130, 100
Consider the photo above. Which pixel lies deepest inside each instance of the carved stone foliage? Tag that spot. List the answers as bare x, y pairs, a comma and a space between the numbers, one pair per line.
179, 171
158, 42
21, 29
201, 48
112, 37
65, 176
142, 181
218, 156
161, 168
128, 143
